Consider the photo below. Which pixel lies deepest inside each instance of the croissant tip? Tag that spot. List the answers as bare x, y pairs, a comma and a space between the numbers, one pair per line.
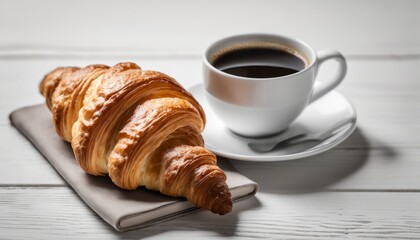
225, 209
223, 202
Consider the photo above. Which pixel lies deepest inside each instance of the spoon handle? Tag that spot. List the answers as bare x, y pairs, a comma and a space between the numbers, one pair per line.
296, 138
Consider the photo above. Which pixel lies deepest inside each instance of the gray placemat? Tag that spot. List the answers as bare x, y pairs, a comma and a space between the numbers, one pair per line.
124, 210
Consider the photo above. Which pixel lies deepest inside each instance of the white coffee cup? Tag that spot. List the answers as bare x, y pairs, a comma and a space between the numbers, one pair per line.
256, 107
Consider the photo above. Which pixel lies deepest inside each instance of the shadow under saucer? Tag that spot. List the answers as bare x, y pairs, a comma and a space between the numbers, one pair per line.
309, 174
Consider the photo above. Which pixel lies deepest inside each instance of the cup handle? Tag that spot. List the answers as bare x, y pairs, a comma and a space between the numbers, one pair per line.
324, 86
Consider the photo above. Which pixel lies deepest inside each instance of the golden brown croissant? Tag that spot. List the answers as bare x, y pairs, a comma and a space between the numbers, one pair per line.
139, 127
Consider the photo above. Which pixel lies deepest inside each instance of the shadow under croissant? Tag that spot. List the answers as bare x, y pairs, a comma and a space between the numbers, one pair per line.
310, 174
200, 220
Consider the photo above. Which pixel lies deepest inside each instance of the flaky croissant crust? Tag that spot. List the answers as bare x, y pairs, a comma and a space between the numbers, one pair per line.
142, 128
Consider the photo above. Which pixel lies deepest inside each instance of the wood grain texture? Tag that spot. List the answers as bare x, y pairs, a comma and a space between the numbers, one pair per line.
186, 27
56, 212
365, 188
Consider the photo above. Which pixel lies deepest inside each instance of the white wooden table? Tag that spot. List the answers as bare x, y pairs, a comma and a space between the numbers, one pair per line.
367, 187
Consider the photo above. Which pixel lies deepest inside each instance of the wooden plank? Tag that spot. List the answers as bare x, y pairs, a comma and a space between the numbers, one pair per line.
22, 164
187, 27
45, 213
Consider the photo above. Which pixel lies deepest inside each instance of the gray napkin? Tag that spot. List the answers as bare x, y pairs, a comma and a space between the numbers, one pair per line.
124, 210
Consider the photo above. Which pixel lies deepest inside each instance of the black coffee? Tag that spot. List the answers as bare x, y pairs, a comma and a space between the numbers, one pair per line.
259, 62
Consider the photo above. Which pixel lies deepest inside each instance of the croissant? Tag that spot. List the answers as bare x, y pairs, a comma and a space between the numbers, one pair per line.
142, 128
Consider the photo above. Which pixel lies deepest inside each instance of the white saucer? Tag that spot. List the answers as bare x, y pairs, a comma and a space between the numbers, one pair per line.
319, 116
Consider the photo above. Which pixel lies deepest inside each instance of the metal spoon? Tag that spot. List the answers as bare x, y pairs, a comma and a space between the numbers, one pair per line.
298, 137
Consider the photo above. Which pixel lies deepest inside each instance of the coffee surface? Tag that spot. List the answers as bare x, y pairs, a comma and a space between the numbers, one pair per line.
259, 62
